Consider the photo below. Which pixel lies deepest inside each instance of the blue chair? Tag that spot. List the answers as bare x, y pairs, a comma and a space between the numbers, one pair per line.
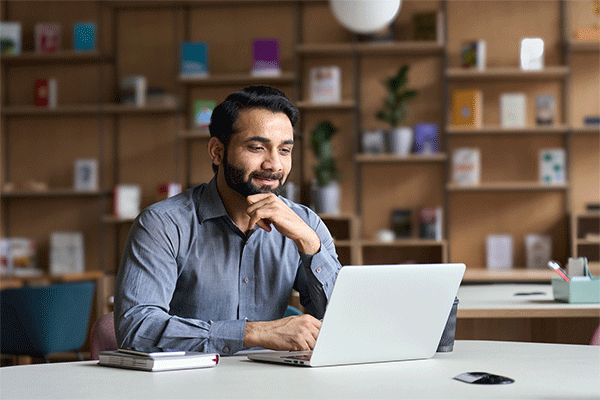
38, 321
291, 310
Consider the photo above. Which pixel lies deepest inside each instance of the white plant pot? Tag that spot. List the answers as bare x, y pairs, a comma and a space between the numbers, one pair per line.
401, 140
327, 199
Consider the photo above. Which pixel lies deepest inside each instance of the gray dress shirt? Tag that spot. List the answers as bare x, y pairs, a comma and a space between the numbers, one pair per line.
189, 278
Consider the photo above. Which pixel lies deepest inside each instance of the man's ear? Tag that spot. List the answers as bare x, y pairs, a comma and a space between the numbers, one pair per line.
216, 150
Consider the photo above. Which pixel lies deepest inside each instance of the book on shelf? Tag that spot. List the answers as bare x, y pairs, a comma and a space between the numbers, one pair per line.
426, 138
326, 84
45, 93
473, 54
373, 141
202, 112
538, 251
127, 200
499, 252
265, 57
513, 110
467, 108
84, 36
67, 253
428, 25
430, 223
544, 109
401, 221
532, 54
158, 361
10, 38
591, 120
553, 166
194, 59
18, 256
466, 166
167, 190
86, 174
133, 90
47, 37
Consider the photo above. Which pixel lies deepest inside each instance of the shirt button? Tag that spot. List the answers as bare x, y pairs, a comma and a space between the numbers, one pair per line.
225, 349
246, 280
318, 270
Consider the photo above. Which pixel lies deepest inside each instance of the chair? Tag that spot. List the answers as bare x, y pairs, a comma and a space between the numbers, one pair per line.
102, 336
291, 310
38, 321
595, 341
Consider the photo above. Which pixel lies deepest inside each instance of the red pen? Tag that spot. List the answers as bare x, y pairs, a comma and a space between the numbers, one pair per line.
554, 265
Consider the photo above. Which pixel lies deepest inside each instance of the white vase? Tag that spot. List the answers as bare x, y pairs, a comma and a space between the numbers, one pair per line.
327, 199
401, 140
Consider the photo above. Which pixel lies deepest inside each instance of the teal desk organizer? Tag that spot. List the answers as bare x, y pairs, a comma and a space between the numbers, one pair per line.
576, 291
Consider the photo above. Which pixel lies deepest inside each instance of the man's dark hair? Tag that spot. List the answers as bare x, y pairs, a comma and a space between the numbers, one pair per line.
225, 115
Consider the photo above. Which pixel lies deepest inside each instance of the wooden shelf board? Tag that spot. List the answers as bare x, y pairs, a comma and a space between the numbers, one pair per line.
111, 219
586, 130
499, 130
477, 275
51, 193
412, 158
343, 105
584, 47
340, 217
403, 243
587, 214
325, 49
507, 72
584, 242
237, 79
66, 56
87, 109
370, 48
505, 186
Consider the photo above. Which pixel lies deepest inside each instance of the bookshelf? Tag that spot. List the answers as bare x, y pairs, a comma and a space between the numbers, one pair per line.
157, 144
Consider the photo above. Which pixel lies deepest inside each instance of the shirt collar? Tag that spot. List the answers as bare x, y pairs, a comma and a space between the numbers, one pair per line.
209, 203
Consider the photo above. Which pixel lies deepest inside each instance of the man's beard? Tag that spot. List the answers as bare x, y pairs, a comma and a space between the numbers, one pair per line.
235, 180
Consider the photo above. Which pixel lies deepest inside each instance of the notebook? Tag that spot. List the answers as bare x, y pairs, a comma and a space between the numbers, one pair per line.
380, 313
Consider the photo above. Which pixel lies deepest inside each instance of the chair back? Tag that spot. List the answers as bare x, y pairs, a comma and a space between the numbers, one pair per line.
595, 340
102, 336
291, 310
37, 321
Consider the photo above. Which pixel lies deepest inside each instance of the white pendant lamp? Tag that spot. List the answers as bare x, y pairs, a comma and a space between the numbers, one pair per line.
365, 16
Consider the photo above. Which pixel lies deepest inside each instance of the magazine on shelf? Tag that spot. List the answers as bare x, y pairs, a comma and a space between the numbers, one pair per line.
67, 253
325, 84
157, 361
47, 37
10, 38
473, 54
467, 107
84, 36
553, 166
194, 59
513, 110
265, 60
466, 166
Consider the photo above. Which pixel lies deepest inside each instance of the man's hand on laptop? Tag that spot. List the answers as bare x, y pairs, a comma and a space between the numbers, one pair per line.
298, 332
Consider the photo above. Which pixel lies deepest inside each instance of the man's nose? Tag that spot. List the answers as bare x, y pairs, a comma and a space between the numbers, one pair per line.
272, 162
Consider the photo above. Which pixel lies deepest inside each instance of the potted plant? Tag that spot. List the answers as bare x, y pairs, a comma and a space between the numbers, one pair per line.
394, 111
326, 193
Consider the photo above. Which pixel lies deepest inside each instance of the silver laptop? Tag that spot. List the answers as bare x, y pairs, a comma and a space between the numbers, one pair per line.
381, 313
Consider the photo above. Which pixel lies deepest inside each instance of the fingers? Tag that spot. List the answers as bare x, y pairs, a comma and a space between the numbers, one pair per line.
298, 332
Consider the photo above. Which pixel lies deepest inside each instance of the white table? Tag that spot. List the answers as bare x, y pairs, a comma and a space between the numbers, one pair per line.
541, 371
500, 301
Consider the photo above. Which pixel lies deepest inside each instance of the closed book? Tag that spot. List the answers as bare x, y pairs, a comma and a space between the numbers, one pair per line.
47, 37
41, 93
194, 59
67, 253
430, 223
426, 137
87, 175
513, 110
473, 54
553, 166
84, 36
467, 108
544, 109
265, 57
202, 113
326, 84
402, 223
466, 166
499, 251
158, 362
10, 38
134, 89
127, 200
538, 249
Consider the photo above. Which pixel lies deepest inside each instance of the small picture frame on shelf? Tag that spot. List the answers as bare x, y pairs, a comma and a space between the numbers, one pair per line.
86, 175
373, 141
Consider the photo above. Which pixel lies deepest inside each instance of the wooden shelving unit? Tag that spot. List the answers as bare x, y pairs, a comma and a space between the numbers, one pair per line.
499, 130
554, 72
237, 79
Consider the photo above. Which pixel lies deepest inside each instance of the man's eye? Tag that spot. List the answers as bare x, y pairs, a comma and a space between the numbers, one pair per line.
255, 148
285, 150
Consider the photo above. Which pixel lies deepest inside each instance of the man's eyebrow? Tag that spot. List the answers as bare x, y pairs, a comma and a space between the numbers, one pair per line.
266, 140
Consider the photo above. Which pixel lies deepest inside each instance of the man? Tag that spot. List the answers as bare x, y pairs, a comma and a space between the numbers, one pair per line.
212, 269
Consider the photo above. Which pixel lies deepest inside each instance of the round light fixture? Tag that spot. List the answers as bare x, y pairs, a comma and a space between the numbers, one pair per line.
365, 16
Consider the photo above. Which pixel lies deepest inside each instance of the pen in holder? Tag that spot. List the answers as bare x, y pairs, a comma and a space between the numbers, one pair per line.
582, 288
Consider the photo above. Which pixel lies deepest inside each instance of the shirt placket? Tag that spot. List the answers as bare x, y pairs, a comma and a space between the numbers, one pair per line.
247, 305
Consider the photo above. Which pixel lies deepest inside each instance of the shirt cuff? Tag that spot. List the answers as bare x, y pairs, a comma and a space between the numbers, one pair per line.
319, 264
227, 337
